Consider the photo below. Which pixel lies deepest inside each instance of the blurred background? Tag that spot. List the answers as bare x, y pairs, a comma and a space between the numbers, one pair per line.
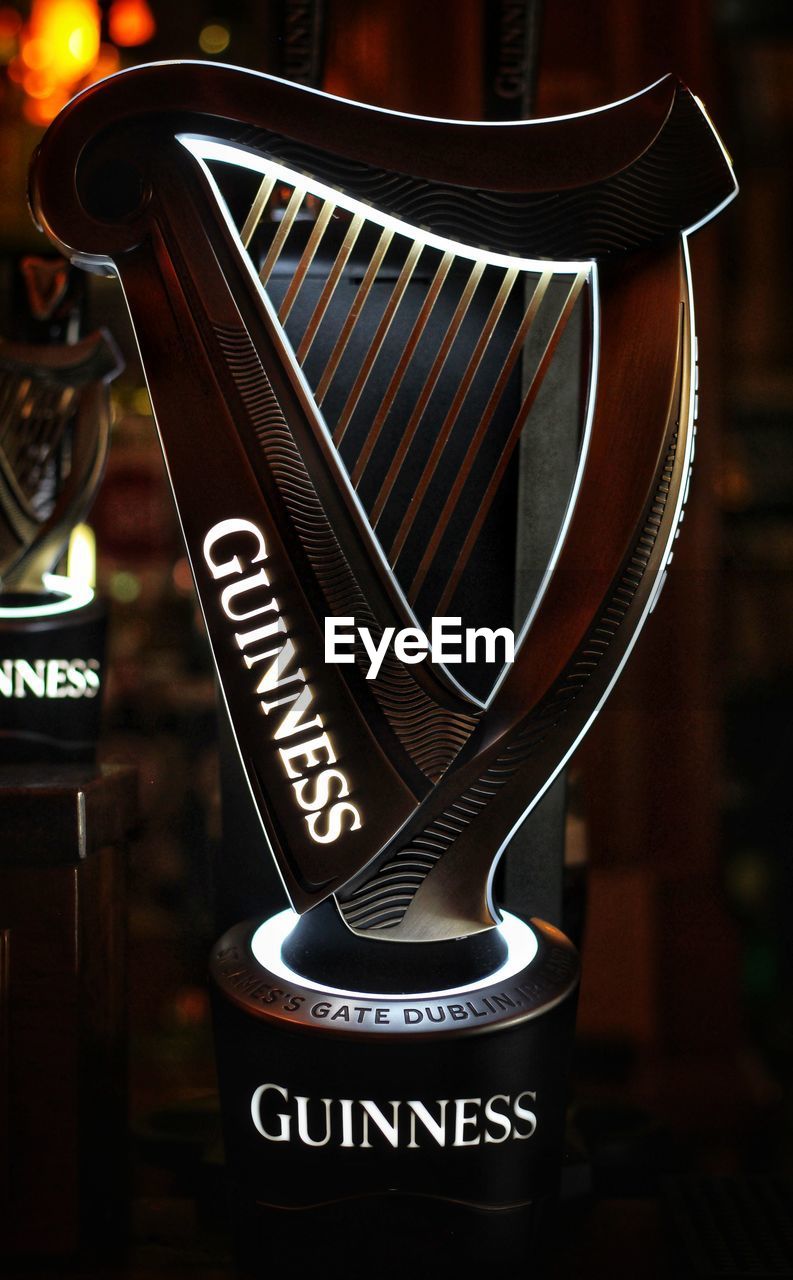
680, 820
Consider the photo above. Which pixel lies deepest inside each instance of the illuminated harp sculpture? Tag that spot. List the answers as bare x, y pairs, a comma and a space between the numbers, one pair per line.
342, 353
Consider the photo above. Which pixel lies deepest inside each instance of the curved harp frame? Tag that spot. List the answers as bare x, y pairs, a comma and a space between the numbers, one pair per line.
429, 782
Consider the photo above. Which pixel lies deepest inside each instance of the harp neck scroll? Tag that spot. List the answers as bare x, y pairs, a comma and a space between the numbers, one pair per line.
346, 317
654, 153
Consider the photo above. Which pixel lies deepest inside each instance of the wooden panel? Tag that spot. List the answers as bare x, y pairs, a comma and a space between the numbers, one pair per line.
62, 1012
618, 985
5, 1089
39, 908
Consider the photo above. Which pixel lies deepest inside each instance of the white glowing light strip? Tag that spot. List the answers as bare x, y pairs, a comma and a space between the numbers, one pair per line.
210, 149
74, 595
81, 556
268, 939
695, 226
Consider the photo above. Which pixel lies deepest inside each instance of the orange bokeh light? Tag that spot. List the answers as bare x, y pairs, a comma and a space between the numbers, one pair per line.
107, 63
36, 53
38, 84
130, 22
10, 23
59, 47
63, 36
42, 110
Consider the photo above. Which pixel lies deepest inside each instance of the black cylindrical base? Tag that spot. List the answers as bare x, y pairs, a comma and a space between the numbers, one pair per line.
52, 658
375, 1125
394, 1236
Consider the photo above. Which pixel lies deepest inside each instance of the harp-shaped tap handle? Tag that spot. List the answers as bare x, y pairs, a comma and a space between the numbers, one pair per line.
276, 534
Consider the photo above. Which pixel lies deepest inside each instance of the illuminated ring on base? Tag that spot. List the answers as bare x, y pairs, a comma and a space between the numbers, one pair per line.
268, 939
73, 595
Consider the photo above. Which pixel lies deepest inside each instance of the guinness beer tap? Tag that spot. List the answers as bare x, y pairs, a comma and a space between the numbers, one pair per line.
54, 433
347, 317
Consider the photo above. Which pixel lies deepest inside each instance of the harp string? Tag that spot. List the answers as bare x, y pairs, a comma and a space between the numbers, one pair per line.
306, 259
334, 275
279, 239
451, 417
354, 313
476, 441
403, 280
400, 371
256, 211
427, 389
459, 339
512, 440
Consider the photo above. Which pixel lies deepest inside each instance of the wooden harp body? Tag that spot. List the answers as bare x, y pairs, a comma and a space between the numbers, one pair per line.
346, 318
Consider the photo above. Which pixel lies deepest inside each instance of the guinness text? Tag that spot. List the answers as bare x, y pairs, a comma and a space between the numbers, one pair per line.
49, 678
362, 1122
279, 682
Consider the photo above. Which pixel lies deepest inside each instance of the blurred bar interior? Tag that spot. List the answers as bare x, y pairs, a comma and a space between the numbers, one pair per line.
680, 813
